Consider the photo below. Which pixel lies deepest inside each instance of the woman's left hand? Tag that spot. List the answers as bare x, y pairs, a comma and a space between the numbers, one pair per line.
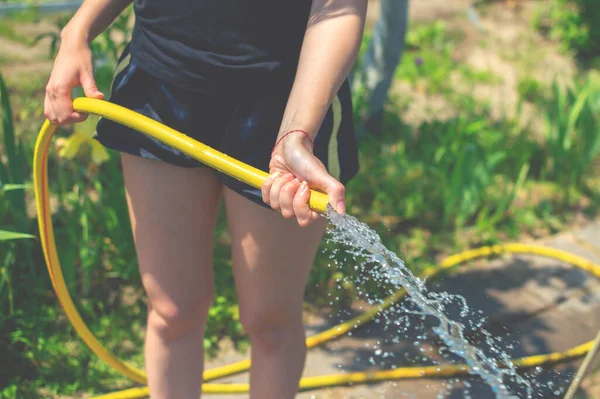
294, 169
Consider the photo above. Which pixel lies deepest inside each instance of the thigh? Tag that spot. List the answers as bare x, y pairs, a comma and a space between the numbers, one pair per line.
272, 257
173, 212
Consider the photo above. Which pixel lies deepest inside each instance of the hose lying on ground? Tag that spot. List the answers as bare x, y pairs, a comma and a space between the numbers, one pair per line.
583, 369
255, 177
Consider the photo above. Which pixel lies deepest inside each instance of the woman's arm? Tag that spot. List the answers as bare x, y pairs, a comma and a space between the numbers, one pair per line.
73, 64
331, 44
92, 18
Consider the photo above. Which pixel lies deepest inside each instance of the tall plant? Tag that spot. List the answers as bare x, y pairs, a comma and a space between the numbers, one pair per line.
575, 23
572, 117
13, 216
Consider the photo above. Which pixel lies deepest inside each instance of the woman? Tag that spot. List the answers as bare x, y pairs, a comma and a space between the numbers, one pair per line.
265, 82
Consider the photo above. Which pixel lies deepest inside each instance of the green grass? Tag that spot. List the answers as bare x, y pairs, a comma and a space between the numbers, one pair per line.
530, 89
8, 31
574, 24
430, 63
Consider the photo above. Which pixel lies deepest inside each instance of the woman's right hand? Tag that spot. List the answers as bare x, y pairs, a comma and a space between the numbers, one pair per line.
72, 68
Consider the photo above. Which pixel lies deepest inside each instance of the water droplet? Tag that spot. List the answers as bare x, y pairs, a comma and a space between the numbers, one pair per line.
384, 267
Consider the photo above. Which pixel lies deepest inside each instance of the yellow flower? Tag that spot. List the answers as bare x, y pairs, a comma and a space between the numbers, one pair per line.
82, 139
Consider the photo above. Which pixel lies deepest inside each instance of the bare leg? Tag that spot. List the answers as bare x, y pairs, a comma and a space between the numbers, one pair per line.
272, 257
173, 213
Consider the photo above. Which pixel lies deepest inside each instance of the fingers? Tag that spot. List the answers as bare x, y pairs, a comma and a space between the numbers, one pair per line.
89, 86
334, 189
286, 198
275, 194
90, 90
308, 167
286, 194
49, 111
304, 214
59, 106
266, 187
336, 192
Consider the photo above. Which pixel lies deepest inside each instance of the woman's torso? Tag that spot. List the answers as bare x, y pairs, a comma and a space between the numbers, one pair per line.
209, 45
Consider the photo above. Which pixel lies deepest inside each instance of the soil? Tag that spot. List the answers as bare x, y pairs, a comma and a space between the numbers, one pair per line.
496, 38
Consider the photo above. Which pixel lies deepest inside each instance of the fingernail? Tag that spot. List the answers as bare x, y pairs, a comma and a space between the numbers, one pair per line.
303, 187
341, 207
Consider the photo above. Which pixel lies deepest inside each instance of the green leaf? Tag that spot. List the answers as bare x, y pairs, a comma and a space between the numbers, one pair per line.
11, 187
508, 199
573, 116
3, 173
7, 124
10, 235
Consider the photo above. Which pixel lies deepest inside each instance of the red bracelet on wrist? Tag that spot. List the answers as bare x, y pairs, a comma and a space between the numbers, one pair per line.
292, 131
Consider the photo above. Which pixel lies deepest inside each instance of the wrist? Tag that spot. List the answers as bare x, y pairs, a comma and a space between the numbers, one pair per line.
293, 139
74, 36
298, 138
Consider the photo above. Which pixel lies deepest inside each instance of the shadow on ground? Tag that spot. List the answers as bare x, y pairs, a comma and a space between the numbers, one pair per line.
534, 305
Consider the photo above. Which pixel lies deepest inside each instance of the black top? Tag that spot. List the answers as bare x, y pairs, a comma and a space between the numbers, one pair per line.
215, 45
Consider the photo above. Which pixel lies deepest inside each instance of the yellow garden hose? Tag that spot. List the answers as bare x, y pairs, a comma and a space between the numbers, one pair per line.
255, 178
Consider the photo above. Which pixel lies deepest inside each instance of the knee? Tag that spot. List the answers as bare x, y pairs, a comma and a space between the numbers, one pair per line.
268, 329
174, 319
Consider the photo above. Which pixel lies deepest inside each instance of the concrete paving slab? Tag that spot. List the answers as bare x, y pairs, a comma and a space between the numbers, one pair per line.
590, 233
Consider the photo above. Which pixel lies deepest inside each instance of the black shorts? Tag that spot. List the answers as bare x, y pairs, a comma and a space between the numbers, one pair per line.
244, 126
